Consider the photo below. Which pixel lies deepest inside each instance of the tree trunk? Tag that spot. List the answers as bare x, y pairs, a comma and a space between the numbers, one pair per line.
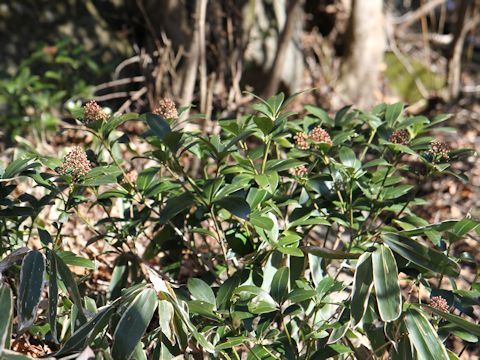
456, 50
361, 66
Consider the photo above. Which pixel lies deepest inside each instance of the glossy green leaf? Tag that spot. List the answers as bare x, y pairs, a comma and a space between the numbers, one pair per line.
264, 124
404, 350
31, 284
70, 258
262, 303
262, 222
85, 334
462, 228
158, 125
393, 112
6, 316
329, 253
421, 255
165, 318
387, 289
200, 290
279, 287
424, 337
225, 292
237, 205
362, 286
15, 168
52, 294
299, 295
232, 342
175, 206
133, 323
102, 175
72, 287
331, 351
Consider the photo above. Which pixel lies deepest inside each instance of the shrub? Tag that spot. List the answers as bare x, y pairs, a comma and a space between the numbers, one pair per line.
296, 239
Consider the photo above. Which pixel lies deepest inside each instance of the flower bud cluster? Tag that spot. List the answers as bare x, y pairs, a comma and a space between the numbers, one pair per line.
93, 112
166, 109
439, 303
75, 164
401, 137
317, 135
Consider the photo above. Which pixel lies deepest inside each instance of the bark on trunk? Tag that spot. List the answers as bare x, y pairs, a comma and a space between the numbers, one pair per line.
361, 66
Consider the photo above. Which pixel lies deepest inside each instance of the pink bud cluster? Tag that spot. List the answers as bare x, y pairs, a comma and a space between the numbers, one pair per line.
166, 109
75, 164
93, 112
316, 135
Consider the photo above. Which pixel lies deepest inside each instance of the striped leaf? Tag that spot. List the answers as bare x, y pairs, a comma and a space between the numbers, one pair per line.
133, 323
52, 294
362, 286
424, 337
6, 316
31, 284
385, 278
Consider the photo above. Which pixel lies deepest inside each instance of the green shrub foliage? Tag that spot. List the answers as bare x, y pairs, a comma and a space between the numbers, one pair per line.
299, 233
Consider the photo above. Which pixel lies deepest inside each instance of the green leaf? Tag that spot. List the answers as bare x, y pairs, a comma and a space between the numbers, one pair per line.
119, 276
232, 342
165, 317
175, 206
279, 288
457, 320
237, 205
319, 113
158, 125
385, 278
72, 288
31, 284
463, 227
328, 253
299, 295
424, 337
45, 236
396, 191
262, 222
330, 351
393, 112
6, 316
421, 255
146, 177
102, 175
15, 168
362, 286
200, 290
202, 308
133, 323
87, 332
403, 350
52, 294
225, 292
264, 123
138, 352
70, 258
262, 303
348, 157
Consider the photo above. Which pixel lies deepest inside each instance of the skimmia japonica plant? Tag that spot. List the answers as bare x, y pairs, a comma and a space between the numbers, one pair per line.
277, 237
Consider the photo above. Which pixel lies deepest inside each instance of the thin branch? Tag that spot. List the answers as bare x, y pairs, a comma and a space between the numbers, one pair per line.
407, 20
124, 81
